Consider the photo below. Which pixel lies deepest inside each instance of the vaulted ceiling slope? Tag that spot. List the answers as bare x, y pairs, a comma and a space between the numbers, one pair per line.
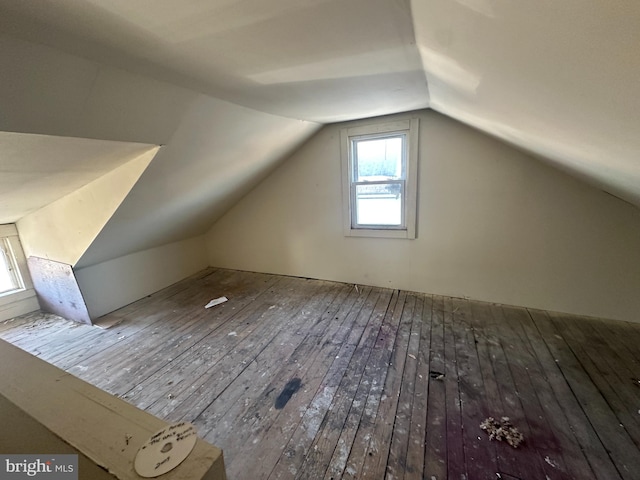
317, 60
559, 79
232, 86
36, 170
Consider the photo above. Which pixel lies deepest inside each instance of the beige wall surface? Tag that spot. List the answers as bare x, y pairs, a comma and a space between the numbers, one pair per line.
63, 230
494, 224
115, 283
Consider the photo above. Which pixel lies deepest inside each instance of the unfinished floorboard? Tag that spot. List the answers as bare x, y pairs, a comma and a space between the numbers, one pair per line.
187, 368
456, 464
315, 462
479, 452
613, 436
218, 370
355, 442
435, 452
237, 402
590, 442
414, 464
352, 390
295, 351
307, 379
603, 372
552, 436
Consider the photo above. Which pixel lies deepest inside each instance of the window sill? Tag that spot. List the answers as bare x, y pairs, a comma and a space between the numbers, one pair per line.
16, 295
365, 232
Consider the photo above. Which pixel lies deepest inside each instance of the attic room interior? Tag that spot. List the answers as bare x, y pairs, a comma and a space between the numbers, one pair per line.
418, 221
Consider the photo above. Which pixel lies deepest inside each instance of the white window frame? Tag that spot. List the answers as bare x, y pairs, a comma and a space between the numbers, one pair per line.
11, 247
410, 129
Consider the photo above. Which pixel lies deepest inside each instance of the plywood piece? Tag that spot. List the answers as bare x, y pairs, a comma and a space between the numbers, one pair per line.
58, 290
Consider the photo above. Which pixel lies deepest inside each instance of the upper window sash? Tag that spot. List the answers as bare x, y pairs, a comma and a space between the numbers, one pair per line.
355, 140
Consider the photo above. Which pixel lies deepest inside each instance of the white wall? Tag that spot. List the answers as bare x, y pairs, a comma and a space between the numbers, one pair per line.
63, 230
494, 224
115, 283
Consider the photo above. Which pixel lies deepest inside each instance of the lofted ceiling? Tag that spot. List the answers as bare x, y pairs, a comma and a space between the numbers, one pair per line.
560, 80
317, 60
37, 170
557, 79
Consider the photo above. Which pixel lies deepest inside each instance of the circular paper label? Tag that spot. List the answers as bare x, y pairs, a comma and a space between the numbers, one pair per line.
165, 450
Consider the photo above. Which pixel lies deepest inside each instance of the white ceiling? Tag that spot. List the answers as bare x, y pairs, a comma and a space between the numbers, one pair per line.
36, 170
317, 60
560, 79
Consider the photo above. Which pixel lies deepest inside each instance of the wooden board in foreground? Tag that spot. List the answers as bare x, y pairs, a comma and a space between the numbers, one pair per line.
103, 428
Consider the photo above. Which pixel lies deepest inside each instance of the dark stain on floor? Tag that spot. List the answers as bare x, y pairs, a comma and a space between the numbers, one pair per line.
289, 389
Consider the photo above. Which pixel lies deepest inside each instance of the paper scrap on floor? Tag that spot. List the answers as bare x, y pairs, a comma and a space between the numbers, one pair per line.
216, 301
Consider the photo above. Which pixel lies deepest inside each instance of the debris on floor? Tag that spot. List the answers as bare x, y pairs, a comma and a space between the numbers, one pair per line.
108, 321
502, 430
551, 462
436, 375
216, 301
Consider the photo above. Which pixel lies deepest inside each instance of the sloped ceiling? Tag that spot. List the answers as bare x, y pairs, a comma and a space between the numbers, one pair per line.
557, 79
218, 153
317, 60
36, 170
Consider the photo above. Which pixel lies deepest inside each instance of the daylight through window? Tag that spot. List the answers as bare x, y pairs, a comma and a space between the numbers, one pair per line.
379, 169
378, 181
9, 276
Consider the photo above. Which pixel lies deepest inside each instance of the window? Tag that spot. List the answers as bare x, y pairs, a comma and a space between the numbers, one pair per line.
9, 276
379, 164
11, 258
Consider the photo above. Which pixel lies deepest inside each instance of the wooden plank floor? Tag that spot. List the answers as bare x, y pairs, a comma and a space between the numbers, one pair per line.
306, 379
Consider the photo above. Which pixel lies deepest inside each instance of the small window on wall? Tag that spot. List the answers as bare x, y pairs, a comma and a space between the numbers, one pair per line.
10, 279
11, 261
379, 164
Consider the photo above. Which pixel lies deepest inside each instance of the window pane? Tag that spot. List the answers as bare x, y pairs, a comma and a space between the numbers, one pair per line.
379, 159
379, 204
7, 278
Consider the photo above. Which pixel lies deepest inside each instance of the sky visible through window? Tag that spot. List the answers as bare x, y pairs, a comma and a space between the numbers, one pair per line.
7, 280
379, 160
